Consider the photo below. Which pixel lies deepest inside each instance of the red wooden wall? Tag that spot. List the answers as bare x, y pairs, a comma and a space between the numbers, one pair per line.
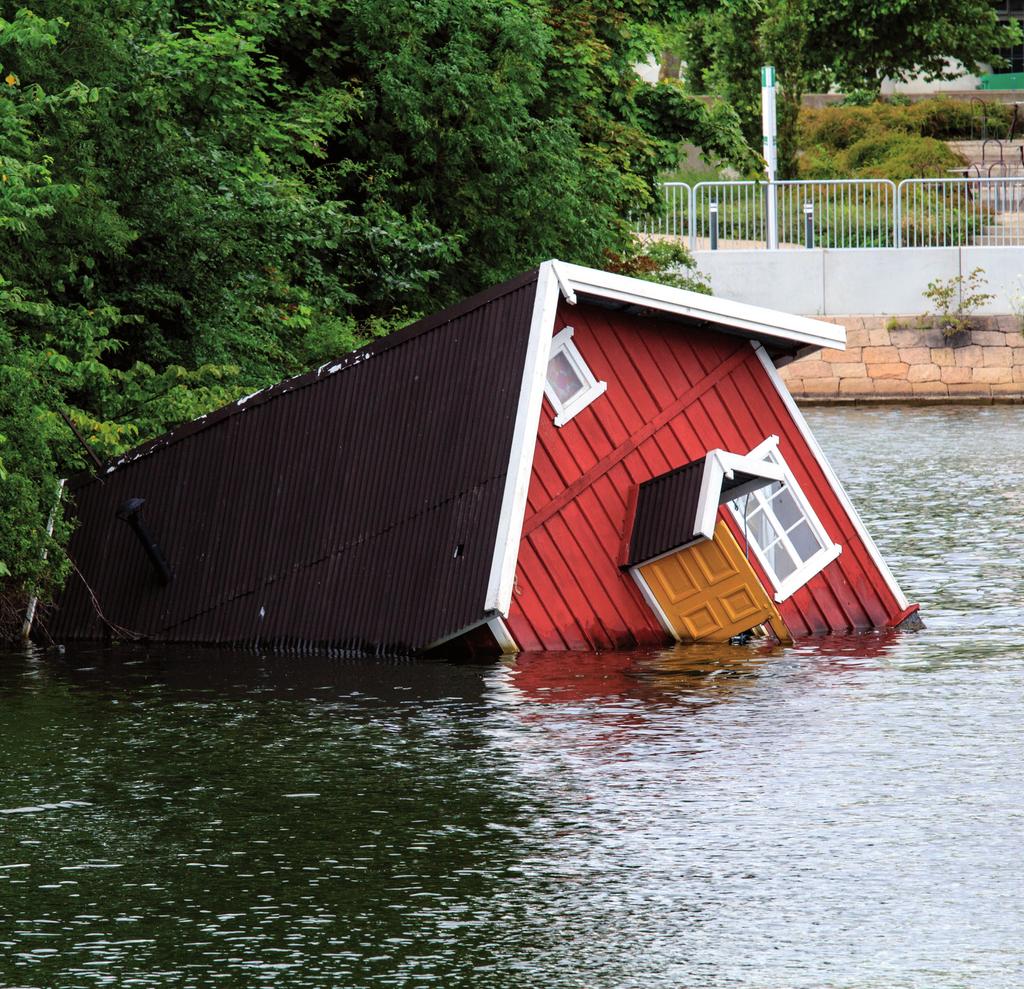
709, 390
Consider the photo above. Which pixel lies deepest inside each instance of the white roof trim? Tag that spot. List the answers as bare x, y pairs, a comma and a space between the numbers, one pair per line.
762, 323
831, 477
524, 443
563, 283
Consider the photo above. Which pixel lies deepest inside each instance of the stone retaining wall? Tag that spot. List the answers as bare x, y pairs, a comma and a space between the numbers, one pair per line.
903, 363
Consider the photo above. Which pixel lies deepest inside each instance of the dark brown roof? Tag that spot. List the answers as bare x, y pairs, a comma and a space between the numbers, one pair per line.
355, 506
666, 512
667, 506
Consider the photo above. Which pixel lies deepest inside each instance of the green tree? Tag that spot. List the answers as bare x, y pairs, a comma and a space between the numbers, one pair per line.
201, 197
814, 44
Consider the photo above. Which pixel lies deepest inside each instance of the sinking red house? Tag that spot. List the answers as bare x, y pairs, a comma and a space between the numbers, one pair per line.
571, 460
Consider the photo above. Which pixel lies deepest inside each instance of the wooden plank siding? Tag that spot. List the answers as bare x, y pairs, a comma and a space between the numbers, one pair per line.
570, 592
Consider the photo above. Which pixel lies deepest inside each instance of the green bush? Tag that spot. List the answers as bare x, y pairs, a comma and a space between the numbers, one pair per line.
820, 163
956, 301
840, 127
835, 128
880, 141
899, 156
952, 120
664, 261
859, 97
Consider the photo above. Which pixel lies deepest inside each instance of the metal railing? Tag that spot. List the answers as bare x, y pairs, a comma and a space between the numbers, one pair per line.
673, 220
844, 213
837, 213
819, 213
983, 212
728, 215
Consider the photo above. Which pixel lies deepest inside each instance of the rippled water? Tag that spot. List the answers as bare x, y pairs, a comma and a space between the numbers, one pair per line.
847, 813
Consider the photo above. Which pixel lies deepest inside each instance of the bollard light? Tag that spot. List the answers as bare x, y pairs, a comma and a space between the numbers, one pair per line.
809, 225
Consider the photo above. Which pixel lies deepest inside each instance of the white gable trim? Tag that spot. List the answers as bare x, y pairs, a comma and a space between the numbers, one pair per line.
830, 474
524, 443
764, 323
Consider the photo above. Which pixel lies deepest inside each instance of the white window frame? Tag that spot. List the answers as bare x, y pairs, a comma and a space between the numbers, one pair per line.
768, 452
562, 343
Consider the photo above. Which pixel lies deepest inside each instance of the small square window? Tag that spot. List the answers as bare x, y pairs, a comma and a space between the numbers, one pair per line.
781, 527
564, 380
570, 386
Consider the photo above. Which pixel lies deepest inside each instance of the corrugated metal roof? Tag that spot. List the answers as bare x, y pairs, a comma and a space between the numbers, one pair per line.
355, 506
666, 512
668, 509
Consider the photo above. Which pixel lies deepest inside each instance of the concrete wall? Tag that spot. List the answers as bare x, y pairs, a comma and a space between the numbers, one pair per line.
893, 359
872, 281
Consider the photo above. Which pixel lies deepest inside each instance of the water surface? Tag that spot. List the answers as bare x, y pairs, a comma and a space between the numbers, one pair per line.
845, 813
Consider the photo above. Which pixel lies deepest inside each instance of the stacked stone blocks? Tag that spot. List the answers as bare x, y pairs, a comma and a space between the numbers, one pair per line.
891, 358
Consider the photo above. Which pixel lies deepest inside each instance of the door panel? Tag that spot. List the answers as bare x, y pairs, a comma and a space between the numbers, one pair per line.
709, 592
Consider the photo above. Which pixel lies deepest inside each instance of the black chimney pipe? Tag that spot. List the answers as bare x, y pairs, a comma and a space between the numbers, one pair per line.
130, 512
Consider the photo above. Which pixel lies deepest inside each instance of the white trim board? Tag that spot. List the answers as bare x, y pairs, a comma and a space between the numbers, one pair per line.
763, 323
830, 474
507, 644
652, 602
524, 443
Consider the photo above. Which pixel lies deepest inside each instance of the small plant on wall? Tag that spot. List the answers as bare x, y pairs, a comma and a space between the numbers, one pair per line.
1017, 302
955, 302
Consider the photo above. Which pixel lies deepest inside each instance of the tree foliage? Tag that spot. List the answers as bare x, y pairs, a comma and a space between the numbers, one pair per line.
198, 197
817, 44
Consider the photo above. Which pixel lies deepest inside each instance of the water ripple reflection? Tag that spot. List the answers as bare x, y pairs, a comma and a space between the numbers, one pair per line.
845, 813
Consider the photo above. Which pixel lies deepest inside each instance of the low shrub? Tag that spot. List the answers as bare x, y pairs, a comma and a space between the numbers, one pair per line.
884, 155
952, 120
939, 117
899, 156
819, 163
892, 140
835, 128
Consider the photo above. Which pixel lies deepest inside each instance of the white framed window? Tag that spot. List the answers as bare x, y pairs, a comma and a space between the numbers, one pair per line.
780, 526
570, 385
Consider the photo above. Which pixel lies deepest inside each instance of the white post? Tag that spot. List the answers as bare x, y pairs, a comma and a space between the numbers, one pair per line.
30, 612
771, 157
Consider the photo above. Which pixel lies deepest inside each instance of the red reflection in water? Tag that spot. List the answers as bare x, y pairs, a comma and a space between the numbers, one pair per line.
694, 673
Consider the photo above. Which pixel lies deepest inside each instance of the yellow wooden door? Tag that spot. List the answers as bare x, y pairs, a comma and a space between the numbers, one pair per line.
709, 592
